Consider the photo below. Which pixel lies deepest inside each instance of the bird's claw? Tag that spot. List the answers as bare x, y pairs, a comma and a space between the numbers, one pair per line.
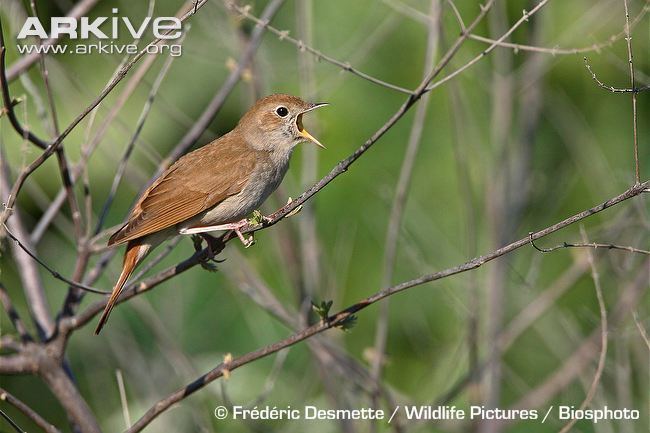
247, 241
213, 245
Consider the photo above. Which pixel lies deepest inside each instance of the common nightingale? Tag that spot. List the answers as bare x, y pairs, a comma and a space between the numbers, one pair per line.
216, 186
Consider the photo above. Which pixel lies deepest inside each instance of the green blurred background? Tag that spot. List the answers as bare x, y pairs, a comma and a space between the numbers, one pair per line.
514, 144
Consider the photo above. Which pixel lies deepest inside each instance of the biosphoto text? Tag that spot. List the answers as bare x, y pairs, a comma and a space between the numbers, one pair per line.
100, 35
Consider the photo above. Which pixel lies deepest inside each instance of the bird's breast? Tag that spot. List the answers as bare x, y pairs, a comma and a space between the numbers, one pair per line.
264, 179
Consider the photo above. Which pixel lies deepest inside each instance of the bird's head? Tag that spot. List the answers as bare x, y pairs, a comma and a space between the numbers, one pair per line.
275, 122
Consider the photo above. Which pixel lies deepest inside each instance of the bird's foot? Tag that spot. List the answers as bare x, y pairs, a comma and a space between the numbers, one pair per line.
214, 247
247, 241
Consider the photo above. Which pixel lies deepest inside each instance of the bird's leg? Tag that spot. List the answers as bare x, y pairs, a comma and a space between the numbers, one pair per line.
214, 245
236, 227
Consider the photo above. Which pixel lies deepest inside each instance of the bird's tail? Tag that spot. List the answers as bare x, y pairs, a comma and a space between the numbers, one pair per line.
135, 252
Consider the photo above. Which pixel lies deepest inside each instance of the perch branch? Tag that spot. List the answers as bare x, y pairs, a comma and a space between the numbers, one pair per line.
342, 316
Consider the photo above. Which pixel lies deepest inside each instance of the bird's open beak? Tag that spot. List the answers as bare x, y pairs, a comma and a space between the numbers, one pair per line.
301, 128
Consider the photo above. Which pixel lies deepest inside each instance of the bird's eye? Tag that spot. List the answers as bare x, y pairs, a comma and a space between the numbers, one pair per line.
282, 111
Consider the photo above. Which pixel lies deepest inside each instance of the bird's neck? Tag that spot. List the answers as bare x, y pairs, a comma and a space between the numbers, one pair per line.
279, 146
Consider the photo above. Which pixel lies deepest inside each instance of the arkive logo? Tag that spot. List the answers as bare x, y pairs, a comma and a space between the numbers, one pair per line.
104, 29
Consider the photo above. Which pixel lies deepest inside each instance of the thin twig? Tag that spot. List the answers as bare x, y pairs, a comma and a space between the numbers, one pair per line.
628, 38
642, 331
51, 147
344, 315
28, 412
594, 245
603, 337
220, 97
123, 401
525, 17
14, 317
11, 422
8, 105
21, 65
612, 88
401, 194
554, 51
30, 278
53, 272
283, 35
144, 114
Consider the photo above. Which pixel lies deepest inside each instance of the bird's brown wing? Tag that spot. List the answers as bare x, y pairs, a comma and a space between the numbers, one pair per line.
196, 182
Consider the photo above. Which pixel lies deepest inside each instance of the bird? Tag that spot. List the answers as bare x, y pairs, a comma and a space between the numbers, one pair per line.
214, 187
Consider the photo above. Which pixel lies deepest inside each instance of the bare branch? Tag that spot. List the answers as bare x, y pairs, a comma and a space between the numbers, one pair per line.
14, 317
6, 97
28, 411
603, 336
554, 51
628, 38
401, 193
342, 316
525, 17
219, 99
53, 272
612, 88
144, 114
69, 397
25, 62
283, 35
51, 147
642, 331
589, 245
29, 275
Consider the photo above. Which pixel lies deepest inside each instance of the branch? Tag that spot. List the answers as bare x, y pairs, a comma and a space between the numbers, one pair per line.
220, 98
603, 337
394, 226
589, 245
29, 276
554, 51
51, 148
525, 17
628, 38
612, 88
342, 316
283, 35
51, 270
344, 165
6, 98
144, 115
28, 412
14, 317
25, 62
65, 391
